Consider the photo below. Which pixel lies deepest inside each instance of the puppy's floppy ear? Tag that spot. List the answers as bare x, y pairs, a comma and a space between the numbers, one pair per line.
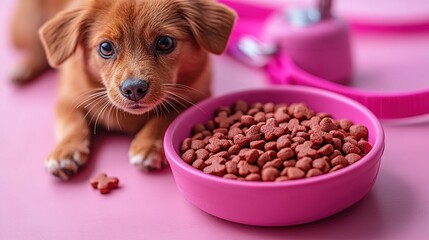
60, 35
210, 22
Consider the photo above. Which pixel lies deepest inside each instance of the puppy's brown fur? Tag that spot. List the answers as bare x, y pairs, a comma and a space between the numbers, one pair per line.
90, 85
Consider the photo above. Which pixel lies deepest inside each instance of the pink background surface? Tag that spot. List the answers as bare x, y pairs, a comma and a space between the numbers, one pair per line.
34, 205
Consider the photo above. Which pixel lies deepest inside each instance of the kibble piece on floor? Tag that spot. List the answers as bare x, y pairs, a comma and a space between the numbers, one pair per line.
104, 183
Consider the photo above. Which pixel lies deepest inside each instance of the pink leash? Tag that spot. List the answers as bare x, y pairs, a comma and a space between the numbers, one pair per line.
253, 21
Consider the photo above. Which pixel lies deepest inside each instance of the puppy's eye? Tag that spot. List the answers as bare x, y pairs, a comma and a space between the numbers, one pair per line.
165, 44
106, 50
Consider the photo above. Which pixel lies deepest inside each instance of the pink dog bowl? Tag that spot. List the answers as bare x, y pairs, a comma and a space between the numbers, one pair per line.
276, 203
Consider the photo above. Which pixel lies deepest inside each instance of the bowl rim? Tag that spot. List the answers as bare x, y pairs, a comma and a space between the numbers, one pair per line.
376, 152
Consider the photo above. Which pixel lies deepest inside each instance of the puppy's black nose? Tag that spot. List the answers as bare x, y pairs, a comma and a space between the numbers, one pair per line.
134, 89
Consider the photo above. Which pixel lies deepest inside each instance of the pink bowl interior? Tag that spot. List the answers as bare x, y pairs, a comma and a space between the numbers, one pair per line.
209, 192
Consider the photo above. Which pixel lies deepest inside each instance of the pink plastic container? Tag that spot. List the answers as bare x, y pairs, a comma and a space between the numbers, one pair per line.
322, 49
277, 203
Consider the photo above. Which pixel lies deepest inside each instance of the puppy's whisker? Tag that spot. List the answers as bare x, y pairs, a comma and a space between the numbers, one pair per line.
90, 98
179, 86
95, 104
117, 99
100, 113
165, 107
171, 104
178, 97
87, 95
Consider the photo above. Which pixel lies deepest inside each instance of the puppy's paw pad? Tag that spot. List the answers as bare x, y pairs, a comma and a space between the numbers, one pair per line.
63, 169
65, 164
153, 161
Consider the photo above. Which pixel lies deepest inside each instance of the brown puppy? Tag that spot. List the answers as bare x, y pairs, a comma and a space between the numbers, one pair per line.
130, 66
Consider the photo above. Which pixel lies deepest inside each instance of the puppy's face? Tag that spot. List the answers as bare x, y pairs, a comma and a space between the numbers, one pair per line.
140, 49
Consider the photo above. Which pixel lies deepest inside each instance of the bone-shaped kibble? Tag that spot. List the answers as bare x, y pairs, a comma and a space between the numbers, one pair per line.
104, 183
271, 131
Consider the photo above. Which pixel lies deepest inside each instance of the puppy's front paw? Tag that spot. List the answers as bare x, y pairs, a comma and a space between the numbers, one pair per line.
147, 156
67, 159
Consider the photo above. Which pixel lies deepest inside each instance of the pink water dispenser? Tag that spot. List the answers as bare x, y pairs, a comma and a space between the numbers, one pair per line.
315, 40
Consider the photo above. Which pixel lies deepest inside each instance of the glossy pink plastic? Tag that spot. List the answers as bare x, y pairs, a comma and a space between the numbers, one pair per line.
277, 203
322, 49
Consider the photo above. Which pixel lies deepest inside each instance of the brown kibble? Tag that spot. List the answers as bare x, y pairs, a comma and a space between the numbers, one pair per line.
338, 134
276, 163
104, 183
270, 146
269, 115
251, 156
321, 164
186, 144
234, 150
270, 174
198, 128
263, 158
319, 137
364, 146
268, 107
259, 117
295, 173
300, 111
283, 142
253, 133
335, 153
281, 116
313, 123
273, 142
199, 164
210, 125
197, 144
299, 140
253, 177
326, 150
306, 150
336, 168
339, 160
353, 157
304, 163
345, 124
359, 131
314, 172
241, 140
304, 135
271, 131
289, 163
259, 144
234, 131
350, 148
241, 106
244, 168
216, 167
285, 154
189, 156
281, 179
253, 111
248, 120
198, 136
230, 176
328, 124
293, 126
231, 167
337, 144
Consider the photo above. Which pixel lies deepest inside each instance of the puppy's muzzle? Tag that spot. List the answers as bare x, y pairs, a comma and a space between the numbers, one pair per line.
134, 89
